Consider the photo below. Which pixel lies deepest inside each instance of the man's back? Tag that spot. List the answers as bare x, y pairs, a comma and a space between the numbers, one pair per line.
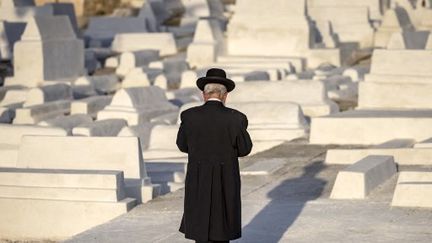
211, 133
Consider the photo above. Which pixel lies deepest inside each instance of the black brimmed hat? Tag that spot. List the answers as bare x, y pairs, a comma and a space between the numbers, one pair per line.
215, 75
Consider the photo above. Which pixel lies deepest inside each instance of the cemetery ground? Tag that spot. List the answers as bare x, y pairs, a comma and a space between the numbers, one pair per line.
290, 205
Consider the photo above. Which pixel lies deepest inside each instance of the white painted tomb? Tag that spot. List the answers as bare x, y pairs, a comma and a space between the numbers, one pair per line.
48, 93
10, 139
358, 180
394, 20
67, 122
103, 84
57, 54
91, 105
78, 153
138, 105
56, 204
374, 7
310, 95
131, 42
101, 128
36, 113
142, 77
142, 131
208, 43
131, 60
370, 127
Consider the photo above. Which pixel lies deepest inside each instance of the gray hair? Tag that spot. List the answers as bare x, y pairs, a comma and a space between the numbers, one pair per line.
212, 88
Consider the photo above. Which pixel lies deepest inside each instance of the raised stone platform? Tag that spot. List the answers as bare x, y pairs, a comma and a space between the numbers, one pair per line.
56, 204
369, 127
119, 153
413, 189
358, 180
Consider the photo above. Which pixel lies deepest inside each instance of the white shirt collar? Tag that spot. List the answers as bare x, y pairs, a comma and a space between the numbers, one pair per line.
214, 99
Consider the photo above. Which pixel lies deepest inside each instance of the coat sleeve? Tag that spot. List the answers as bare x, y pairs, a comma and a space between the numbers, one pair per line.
244, 143
181, 137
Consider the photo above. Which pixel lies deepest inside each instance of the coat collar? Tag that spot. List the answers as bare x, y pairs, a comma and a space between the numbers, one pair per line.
214, 102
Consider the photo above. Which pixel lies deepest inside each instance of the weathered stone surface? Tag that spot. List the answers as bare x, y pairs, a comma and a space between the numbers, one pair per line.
394, 20
56, 52
358, 180
131, 60
102, 84
130, 42
413, 189
120, 153
409, 40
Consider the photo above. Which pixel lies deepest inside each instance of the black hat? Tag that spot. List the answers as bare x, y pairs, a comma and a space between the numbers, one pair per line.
215, 75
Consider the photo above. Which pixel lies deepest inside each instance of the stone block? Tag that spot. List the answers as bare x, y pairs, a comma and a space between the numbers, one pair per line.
36, 113
80, 153
374, 6
101, 128
142, 131
413, 189
67, 201
424, 144
371, 126
299, 64
162, 145
358, 180
409, 40
56, 52
91, 105
131, 42
141, 77
103, 84
373, 95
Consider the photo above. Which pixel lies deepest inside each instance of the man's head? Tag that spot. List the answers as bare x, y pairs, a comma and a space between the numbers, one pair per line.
215, 84
214, 90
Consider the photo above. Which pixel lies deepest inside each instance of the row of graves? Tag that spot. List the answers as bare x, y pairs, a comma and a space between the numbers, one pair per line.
89, 118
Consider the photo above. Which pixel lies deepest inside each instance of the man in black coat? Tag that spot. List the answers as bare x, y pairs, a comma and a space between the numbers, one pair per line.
214, 136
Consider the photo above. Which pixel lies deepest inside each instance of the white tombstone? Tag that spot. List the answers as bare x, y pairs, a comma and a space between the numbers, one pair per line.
67, 122
138, 105
128, 42
57, 54
36, 113
130, 60
409, 40
208, 43
394, 20
286, 31
103, 84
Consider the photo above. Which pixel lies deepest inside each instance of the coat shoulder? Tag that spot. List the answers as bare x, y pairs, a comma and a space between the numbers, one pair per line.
235, 113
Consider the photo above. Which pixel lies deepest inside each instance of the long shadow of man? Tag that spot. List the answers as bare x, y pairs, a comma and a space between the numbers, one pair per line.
287, 202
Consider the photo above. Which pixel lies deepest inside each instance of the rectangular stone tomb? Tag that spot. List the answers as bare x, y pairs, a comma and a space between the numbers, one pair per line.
413, 189
91, 105
369, 127
137, 105
310, 95
424, 144
102, 128
90, 153
10, 139
358, 180
36, 113
56, 204
297, 62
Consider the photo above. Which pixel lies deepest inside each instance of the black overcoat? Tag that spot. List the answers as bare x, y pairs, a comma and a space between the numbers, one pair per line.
214, 136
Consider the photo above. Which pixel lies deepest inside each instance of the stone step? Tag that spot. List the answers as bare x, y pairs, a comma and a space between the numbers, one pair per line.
424, 144
413, 189
358, 180
60, 219
56, 178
